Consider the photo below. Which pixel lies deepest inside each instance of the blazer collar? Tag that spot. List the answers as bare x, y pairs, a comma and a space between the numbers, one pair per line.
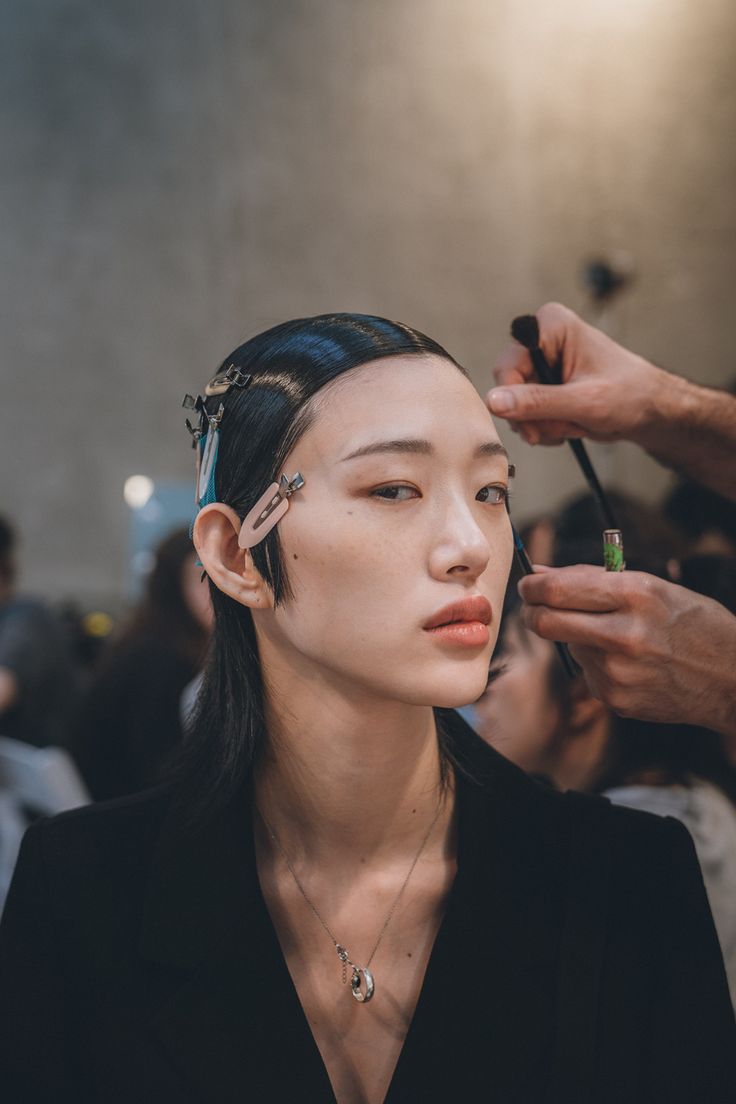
235, 1015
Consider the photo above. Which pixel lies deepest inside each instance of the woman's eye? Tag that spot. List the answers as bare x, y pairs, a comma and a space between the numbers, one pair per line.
494, 494
396, 492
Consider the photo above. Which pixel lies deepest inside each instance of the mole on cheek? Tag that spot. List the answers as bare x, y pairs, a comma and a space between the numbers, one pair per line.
295, 556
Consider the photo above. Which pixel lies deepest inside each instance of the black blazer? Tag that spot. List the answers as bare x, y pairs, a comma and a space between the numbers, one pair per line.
577, 961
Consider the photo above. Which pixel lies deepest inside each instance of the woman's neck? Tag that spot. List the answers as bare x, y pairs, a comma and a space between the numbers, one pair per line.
347, 780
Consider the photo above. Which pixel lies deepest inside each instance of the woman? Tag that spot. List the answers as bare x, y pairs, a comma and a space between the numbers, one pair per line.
129, 722
347, 895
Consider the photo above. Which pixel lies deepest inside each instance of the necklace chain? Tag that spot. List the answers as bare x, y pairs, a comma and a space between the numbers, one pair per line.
341, 951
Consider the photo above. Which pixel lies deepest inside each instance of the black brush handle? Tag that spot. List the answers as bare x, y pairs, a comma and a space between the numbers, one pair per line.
551, 379
525, 566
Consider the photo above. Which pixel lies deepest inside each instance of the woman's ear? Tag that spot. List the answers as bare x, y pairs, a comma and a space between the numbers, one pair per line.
230, 567
585, 711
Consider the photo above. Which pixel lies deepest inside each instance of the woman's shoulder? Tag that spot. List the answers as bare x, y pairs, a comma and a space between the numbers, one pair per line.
631, 845
116, 834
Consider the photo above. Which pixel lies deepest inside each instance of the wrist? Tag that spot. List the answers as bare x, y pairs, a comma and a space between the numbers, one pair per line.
720, 677
665, 404
673, 409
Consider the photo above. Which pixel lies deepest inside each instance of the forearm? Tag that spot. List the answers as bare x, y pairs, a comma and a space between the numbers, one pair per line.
692, 430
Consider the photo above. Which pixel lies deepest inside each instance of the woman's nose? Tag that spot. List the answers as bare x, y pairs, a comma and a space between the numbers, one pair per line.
461, 547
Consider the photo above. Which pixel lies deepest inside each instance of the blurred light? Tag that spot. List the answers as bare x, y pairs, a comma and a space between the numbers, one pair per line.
137, 491
97, 623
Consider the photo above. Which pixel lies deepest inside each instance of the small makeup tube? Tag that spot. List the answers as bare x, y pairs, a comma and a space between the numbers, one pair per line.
613, 550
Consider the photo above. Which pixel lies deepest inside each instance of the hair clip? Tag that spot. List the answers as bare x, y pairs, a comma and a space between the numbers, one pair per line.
221, 383
190, 403
270, 508
207, 457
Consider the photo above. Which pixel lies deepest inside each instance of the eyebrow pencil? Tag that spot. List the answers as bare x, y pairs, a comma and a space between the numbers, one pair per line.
525, 565
525, 330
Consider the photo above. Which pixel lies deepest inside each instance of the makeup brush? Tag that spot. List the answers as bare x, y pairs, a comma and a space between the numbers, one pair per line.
525, 566
525, 330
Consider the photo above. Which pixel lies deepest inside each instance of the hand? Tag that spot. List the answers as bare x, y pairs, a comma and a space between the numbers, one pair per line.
606, 392
648, 648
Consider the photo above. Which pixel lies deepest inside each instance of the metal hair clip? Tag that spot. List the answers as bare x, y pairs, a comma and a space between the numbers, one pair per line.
190, 403
270, 508
207, 457
223, 381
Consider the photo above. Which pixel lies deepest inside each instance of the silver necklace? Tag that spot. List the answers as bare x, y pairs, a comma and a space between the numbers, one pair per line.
362, 982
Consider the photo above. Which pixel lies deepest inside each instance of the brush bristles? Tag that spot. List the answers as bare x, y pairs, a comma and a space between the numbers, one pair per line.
525, 330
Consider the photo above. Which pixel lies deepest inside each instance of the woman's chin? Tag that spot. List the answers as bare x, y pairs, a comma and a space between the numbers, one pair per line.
461, 692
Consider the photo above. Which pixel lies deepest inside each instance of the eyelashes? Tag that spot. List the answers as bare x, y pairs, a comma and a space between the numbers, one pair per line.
498, 494
495, 494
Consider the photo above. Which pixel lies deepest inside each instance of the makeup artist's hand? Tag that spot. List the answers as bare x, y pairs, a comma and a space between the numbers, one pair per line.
648, 648
608, 393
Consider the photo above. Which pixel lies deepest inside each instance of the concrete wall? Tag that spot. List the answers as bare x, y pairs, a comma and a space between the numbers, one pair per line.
179, 174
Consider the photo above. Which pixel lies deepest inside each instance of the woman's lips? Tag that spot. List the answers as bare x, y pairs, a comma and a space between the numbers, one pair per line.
463, 622
471, 634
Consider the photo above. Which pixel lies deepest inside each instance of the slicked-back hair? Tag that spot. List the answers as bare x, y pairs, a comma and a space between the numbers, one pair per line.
289, 364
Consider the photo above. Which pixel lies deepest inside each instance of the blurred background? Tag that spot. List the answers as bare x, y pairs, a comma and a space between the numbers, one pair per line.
180, 175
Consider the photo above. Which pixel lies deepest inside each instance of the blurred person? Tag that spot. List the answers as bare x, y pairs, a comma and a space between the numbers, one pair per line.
129, 722
648, 647
345, 894
537, 536
555, 729
706, 520
38, 680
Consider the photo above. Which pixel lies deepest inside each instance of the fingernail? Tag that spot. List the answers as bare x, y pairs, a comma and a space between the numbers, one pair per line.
501, 401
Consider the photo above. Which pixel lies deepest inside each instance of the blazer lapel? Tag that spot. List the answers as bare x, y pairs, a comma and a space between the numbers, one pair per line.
489, 993
233, 1025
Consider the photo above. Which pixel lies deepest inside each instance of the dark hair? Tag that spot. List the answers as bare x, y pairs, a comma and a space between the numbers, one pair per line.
7, 551
650, 541
697, 510
289, 364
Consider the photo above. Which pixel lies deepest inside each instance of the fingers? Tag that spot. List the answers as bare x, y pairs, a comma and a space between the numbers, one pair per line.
567, 402
514, 366
587, 630
515, 403
583, 587
581, 406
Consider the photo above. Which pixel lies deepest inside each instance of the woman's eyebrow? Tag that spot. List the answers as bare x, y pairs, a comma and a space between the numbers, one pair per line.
425, 448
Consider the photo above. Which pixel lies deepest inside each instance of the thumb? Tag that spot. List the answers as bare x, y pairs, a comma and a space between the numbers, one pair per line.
535, 401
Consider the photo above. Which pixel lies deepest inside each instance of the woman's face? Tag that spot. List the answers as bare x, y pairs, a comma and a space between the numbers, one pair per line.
518, 714
402, 513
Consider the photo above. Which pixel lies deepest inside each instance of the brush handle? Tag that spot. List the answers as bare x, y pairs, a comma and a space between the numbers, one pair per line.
552, 378
525, 566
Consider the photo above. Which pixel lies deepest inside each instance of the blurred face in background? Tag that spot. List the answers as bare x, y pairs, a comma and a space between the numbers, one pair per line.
518, 713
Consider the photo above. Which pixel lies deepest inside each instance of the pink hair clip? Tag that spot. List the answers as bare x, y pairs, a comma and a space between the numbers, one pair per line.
270, 508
